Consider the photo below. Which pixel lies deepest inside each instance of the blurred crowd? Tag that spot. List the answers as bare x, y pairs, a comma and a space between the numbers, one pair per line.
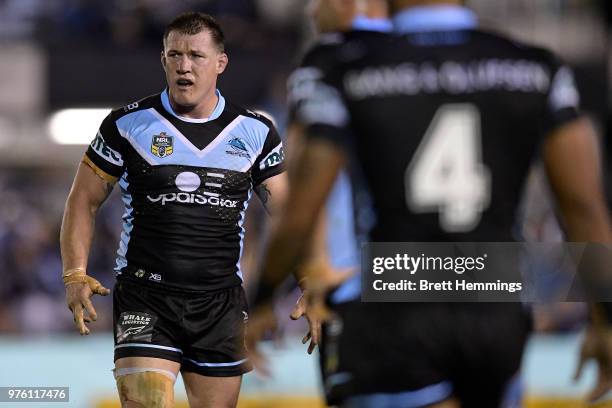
137, 23
31, 289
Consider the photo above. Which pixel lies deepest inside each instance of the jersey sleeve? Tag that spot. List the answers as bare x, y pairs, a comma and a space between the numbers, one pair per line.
271, 160
563, 99
316, 101
105, 153
316, 57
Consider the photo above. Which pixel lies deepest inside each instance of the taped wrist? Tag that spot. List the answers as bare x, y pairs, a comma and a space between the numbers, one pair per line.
74, 275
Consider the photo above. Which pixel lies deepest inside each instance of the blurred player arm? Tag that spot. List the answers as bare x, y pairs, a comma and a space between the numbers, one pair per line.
573, 165
316, 155
316, 257
311, 177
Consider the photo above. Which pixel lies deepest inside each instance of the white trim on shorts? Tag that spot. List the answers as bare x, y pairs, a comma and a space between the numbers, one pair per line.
176, 350
231, 364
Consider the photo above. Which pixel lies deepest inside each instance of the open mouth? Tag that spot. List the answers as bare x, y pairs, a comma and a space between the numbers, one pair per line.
184, 83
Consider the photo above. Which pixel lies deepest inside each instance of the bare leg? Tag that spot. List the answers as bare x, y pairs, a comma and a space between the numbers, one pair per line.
146, 382
211, 392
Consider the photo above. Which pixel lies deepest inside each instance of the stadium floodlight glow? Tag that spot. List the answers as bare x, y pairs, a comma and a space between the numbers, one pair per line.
76, 125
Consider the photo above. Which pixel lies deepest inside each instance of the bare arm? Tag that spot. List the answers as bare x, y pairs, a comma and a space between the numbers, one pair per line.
310, 180
87, 194
89, 190
573, 165
273, 193
317, 252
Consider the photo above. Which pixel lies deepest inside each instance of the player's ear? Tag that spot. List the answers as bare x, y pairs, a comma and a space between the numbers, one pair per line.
163, 59
222, 62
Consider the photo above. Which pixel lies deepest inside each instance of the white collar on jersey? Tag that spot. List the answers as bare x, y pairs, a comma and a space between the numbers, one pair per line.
434, 18
364, 23
214, 115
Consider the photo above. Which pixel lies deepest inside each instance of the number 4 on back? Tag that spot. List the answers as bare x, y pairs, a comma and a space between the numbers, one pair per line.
446, 174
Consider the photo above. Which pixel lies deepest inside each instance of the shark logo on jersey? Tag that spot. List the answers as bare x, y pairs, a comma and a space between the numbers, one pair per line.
238, 148
162, 145
237, 144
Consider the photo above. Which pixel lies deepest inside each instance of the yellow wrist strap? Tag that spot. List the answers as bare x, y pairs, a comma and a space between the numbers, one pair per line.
74, 275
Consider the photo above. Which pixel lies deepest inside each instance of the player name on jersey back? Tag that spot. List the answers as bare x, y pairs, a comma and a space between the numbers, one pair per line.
451, 77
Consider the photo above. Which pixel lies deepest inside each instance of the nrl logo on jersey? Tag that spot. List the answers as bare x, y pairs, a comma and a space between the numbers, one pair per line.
237, 148
162, 145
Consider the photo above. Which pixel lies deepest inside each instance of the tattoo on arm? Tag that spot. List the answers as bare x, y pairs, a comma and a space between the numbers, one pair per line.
109, 188
264, 193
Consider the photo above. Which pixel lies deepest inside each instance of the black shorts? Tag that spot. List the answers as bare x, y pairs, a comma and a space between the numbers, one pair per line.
204, 332
423, 353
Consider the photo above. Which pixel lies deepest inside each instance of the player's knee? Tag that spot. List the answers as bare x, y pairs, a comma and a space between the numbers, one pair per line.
208, 401
148, 389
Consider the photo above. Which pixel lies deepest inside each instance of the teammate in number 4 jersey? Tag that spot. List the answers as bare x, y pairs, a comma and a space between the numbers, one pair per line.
337, 244
444, 120
187, 161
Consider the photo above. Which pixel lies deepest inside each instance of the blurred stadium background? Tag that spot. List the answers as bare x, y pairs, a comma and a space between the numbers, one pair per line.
59, 57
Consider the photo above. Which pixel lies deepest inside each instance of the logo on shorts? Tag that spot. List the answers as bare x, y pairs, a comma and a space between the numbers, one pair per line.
245, 316
139, 273
155, 277
135, 326
237, 148
162, 145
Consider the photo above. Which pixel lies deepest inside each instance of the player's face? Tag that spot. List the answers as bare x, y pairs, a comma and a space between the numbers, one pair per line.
192, 64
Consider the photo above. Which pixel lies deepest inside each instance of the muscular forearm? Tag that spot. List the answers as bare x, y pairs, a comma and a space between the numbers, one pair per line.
76, 233
573, 166
285, 251
310, 181
586, 222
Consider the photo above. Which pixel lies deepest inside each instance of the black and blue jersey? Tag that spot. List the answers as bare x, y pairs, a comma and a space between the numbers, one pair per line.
185, 184
442, 123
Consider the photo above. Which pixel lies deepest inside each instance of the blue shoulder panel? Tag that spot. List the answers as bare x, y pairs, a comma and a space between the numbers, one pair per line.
159, 142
